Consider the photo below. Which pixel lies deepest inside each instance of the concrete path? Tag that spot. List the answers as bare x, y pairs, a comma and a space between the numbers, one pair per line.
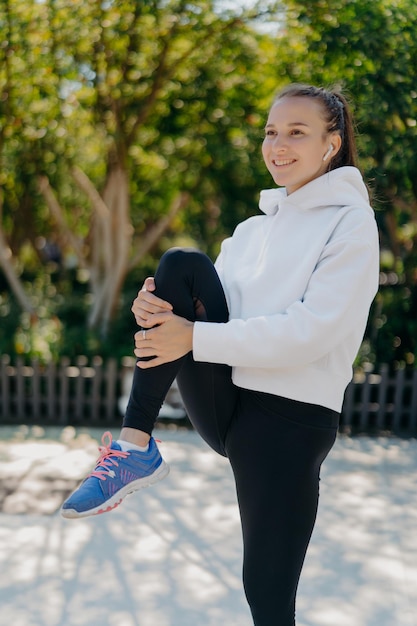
171, 555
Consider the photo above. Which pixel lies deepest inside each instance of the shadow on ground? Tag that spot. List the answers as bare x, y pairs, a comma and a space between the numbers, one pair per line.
171, 555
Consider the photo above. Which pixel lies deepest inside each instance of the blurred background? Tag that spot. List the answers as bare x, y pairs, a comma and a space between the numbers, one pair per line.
128, 127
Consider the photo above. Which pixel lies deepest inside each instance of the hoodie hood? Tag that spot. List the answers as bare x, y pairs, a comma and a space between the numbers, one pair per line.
343, 186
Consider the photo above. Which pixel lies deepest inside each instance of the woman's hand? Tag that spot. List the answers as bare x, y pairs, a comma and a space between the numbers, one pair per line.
146, 304
164, 336
170, 338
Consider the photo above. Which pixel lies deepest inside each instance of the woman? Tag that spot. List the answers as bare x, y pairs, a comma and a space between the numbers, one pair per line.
262, 345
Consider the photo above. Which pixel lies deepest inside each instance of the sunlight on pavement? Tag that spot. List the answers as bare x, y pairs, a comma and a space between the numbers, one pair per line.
172, 554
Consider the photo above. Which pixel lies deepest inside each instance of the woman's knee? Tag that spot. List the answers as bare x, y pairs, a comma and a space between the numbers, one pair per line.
177, 259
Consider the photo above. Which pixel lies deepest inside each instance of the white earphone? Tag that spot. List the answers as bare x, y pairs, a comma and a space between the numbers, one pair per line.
328, 153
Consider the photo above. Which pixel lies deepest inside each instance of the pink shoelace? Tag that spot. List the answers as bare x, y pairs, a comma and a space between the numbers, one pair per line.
108, 457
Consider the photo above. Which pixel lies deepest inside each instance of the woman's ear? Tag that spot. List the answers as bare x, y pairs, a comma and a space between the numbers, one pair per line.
336, 142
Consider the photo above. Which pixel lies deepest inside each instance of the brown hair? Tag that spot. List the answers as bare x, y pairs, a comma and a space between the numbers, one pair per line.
337, 115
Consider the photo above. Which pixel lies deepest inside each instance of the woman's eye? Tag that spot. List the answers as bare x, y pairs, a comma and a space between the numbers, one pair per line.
296, 131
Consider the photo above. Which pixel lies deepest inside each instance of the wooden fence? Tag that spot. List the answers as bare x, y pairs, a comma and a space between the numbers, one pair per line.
82, 392
90, 392
381, 402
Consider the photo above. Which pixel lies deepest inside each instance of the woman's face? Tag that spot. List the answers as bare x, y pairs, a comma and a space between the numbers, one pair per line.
296, 140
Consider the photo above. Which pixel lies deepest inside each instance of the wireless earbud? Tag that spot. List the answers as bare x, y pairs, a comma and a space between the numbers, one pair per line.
328, 153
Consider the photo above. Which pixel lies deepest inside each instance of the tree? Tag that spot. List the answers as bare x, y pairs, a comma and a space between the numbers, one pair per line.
108, 112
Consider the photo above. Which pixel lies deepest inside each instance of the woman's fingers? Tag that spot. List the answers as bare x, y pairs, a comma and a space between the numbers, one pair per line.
147, 304
169, 339
149, 284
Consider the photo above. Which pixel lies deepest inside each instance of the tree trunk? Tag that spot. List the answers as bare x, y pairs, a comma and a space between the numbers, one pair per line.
111, 244
12, 278
108, 257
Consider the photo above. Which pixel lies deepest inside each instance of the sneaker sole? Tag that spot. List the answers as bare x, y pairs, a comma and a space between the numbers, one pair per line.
118, 497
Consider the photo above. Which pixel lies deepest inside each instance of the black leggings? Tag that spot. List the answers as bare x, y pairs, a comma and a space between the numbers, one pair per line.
275, 445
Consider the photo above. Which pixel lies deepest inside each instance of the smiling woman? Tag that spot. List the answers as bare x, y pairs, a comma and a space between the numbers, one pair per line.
303, 136
297, 144
262, 345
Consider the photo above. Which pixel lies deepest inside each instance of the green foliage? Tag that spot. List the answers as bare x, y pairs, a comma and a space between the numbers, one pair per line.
178, 94
24, 334
141, 84
59, 327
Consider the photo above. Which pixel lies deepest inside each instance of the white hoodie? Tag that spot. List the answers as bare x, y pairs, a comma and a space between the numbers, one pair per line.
299, 282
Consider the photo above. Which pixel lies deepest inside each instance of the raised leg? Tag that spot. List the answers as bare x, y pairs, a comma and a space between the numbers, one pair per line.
188, 280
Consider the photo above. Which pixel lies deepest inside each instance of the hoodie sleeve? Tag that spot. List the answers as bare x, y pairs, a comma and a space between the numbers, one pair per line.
219, 265
337, 299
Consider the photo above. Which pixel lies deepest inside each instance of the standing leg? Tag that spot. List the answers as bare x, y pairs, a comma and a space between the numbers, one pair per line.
277, 480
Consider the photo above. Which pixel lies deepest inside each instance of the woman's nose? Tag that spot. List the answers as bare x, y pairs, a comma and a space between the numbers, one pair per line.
278, 143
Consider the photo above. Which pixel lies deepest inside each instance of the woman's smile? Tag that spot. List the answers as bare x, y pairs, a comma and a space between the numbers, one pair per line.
282, 162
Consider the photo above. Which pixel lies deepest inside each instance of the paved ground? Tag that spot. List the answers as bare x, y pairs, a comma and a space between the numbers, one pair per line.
171, 555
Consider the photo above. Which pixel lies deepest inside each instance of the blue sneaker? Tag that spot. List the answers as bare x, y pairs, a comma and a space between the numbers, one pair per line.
117, 473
